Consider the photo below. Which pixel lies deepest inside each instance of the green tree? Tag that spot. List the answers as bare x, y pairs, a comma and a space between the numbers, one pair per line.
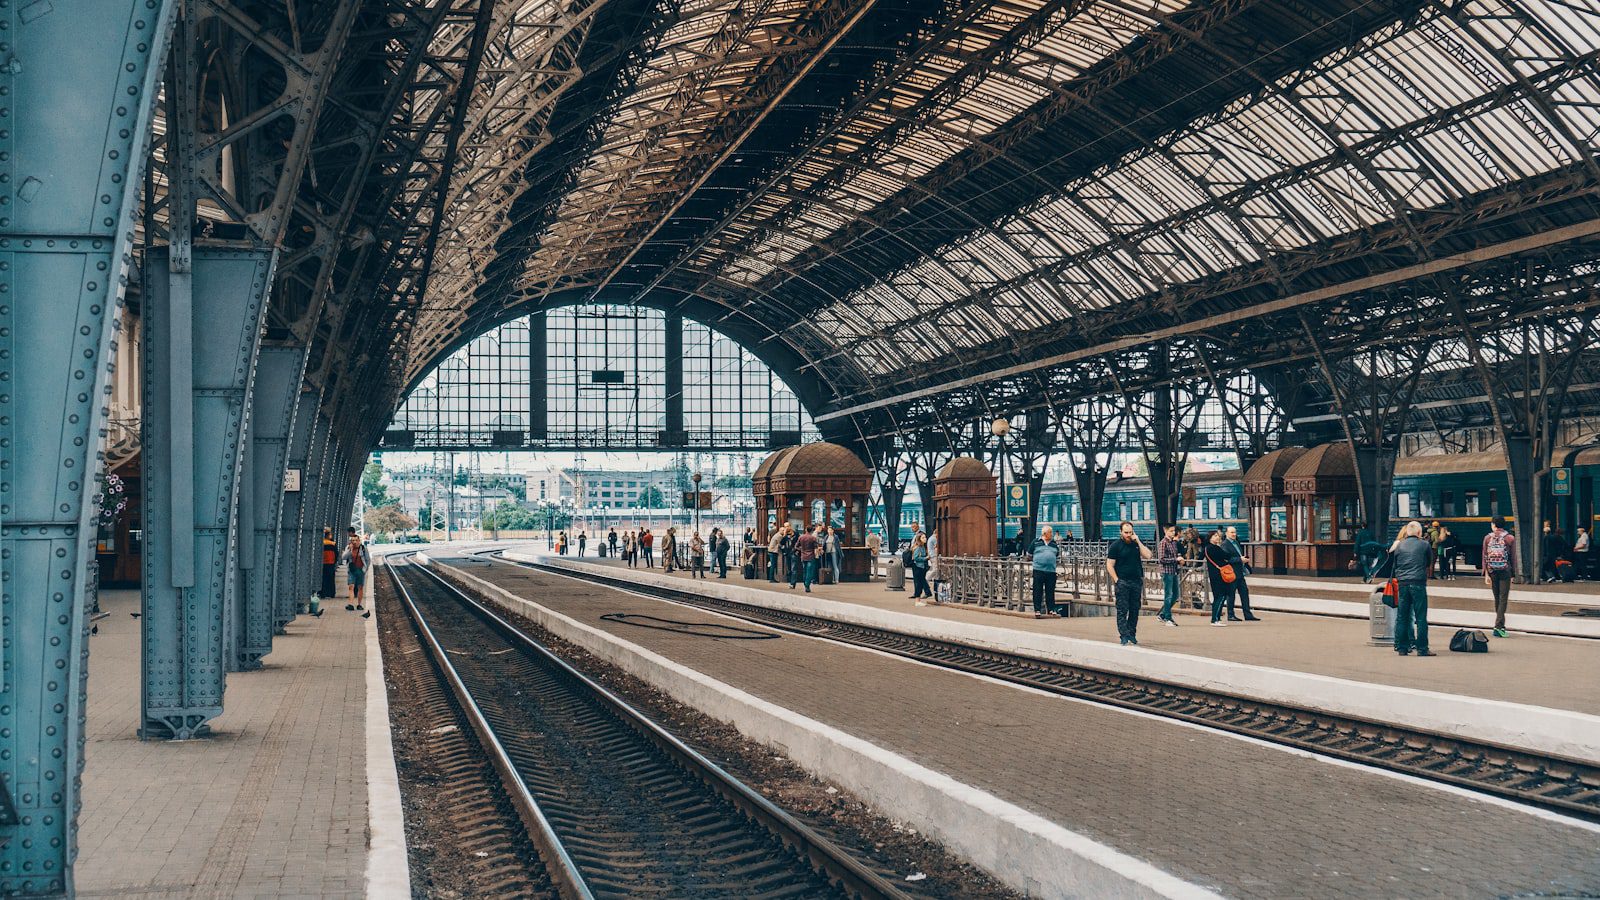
651, 498
389, 519
513, 516
373, 490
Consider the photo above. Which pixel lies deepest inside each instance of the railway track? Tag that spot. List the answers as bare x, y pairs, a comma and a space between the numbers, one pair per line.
1557, 785
615, 806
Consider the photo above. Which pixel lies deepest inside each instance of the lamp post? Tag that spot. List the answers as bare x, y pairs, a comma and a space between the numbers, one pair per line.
696, 479
1000, 428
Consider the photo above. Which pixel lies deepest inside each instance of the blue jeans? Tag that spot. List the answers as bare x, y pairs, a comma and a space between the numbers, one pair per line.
812, 566
838, 566
1169, 594
1411, 618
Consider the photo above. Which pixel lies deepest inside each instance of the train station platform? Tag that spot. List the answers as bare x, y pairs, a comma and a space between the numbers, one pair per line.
1064, 797
1532, 692
293, 794
1465, 602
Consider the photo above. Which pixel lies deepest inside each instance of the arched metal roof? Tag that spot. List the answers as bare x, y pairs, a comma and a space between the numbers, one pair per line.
972, 201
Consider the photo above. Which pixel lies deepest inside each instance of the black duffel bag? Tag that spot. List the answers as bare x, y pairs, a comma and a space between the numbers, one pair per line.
1468, 640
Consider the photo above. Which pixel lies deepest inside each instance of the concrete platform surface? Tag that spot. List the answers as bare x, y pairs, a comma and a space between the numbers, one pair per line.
1555, 672
273, 804
1220, 813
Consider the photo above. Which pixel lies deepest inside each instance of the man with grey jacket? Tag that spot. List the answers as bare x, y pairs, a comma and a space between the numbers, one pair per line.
1413, 558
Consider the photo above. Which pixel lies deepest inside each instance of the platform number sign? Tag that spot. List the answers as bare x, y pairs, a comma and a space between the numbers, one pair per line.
291, 481
1561, 482
1017, 501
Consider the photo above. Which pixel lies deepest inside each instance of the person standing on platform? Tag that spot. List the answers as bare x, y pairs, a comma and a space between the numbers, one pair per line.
1435, 538
330, 565
647, 543
561, 543
1413, 564
1241, 588
628, 549
1552, 546
1046, 555
719, 551
1499, 563
874, 547
835, 554
774, 547
789, 546
919, 568
697, 556
1168, 556
1125, 564
358, 561
935, 570
583, 542
809, 550
1221, 591
669, 550
611, 540
1580, 552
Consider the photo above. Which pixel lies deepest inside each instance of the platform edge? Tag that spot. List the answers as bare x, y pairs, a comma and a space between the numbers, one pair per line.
388, 875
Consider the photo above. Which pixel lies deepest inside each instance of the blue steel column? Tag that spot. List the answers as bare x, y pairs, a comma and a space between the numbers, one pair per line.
77, 84
278, 372
199, 358
291, 553
314, 516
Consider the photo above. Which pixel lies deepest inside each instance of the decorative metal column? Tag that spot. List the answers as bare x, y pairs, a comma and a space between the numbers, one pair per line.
314, 515
76, 93
278, 373
202, 331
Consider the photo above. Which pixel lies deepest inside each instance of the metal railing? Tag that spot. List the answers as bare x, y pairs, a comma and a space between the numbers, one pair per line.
1082, 582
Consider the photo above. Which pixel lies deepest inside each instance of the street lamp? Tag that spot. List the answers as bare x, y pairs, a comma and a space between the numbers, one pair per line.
1000, 428
696, 479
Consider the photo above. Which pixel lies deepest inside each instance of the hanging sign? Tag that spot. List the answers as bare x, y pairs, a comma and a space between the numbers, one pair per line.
1561, 482
1017, 501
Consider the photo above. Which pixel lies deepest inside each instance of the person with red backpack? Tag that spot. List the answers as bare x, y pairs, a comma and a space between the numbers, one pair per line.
1499, 564
358, 561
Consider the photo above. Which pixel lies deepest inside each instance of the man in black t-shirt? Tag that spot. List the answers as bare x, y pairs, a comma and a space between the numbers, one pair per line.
1124, 563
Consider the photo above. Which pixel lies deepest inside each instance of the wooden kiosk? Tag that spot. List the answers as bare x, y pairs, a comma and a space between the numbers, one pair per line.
1268, 507
964, 508
811, 484
1322, 490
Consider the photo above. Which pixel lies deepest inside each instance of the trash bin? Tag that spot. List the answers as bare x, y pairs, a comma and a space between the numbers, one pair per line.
1382, 629
895, 575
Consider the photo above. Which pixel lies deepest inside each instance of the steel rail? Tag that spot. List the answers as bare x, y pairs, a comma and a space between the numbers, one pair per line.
562, 870
1555, 784
822, 855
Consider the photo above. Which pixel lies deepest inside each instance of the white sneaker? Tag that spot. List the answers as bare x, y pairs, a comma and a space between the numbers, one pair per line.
1169, 623
921, 603
1219, 624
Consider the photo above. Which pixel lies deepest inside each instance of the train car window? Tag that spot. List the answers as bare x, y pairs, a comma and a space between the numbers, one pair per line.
1227, 507
1469, 503
1402, 502
1447, 503
1425, 504
1494, 502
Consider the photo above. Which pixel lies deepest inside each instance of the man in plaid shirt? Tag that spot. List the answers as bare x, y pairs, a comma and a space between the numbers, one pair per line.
1167, 554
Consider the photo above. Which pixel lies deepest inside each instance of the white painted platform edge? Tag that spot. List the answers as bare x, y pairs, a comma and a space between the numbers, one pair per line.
388, 875
1557, 626
1539, 729
1022, 849
1468, 586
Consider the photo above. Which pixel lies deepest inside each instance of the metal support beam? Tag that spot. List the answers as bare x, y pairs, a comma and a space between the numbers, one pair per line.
674, 379
290, 554
315, 515
278, 373
76, 93
206, 341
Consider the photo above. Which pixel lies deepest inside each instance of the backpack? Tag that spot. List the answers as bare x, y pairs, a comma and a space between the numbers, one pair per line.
1391, 593
1469, 641
906, 557
1494, 556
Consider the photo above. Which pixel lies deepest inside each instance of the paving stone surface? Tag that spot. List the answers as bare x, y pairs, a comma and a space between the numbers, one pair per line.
272, 804
1244, 819
1557, 672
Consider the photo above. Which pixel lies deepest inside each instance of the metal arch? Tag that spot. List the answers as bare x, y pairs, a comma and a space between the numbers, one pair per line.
79, 126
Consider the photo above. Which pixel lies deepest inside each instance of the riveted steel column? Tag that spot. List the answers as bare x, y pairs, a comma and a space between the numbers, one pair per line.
77, 84
278, 372
190, 593
315, 515
290, 551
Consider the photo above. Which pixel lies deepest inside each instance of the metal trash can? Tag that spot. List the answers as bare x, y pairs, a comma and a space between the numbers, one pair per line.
895, 575
1382, 629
